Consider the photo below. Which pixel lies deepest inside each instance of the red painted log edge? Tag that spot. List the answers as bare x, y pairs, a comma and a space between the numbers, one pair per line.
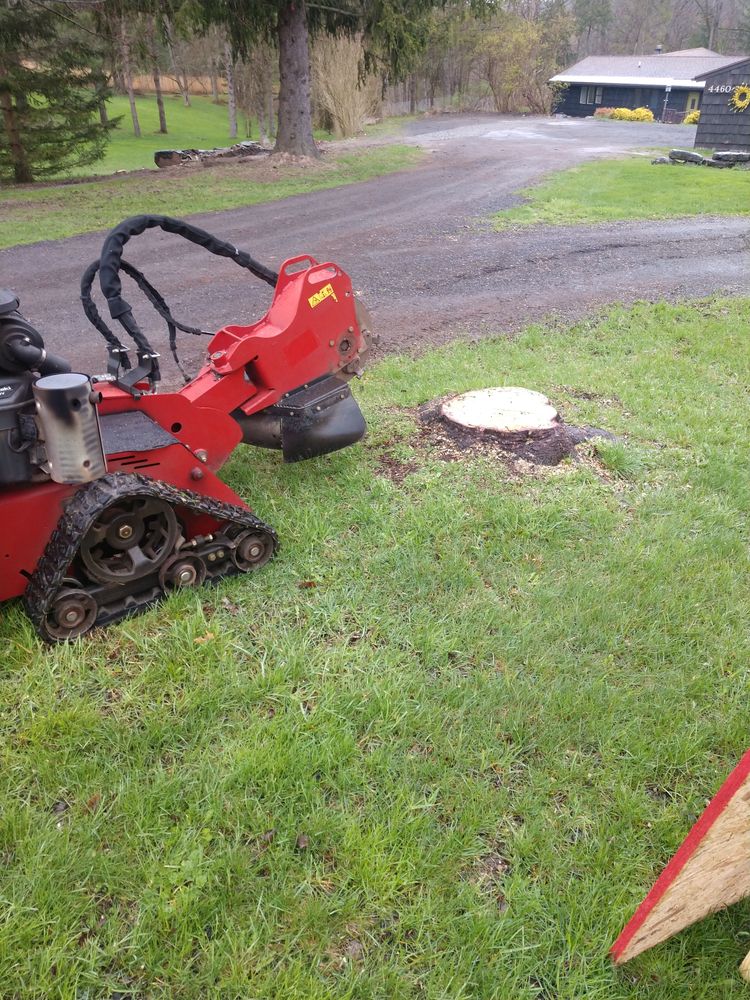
685, 851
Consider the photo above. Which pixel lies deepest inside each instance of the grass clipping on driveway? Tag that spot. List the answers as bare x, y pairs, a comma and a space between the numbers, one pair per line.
443, 744
610, 190
54, 211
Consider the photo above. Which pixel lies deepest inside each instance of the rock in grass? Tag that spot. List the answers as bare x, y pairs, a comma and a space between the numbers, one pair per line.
661, 159
732, 156
718, 163
685, 156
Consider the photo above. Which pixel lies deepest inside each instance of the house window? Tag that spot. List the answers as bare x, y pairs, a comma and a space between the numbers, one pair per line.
693, 100
591, 95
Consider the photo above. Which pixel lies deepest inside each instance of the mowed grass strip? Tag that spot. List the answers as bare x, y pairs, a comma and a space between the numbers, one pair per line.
443, 744
54, 211
609, 190
201, 126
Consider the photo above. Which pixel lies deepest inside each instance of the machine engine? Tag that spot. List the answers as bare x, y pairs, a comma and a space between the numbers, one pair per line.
49, 427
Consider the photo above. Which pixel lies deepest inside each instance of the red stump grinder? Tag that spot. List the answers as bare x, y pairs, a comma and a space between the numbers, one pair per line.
108, 490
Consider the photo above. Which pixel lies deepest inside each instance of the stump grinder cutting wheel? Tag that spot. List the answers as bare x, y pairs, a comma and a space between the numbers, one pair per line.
108, 490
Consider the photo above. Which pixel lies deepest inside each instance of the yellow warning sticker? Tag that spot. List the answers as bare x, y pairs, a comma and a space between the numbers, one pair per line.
325, 293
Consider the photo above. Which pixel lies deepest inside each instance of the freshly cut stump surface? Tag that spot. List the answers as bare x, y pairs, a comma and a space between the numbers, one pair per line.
505, 411
520, 420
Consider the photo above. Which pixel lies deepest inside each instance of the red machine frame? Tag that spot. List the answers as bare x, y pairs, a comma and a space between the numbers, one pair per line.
310, 330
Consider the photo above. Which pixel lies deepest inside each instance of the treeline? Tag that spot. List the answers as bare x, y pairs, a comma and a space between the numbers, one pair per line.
289, 64
623, 27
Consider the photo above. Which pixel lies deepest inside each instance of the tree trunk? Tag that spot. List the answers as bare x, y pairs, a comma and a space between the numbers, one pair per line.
413, 94
231, 97
103, 116
295, 115
21, 166
128, 75
180, 76
118, 82
269, 112
264, 114
159, 100
151, 38
215, 99
715, 18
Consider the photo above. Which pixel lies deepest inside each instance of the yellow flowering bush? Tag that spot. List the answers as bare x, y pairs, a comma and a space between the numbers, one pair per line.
691, 118
632, 115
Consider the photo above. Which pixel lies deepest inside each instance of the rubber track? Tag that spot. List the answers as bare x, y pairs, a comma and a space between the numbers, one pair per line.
80, 514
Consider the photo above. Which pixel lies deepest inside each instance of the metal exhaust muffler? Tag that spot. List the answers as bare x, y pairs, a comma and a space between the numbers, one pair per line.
69, 428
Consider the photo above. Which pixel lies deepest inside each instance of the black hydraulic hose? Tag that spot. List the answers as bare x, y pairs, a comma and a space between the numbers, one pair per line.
111, 263
119, 236
155, 298
94, 317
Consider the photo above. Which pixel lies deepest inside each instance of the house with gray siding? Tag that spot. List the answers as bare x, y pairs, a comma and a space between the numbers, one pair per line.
668, 83
723, 125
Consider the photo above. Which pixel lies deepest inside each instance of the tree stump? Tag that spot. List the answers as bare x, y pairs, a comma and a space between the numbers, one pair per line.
519, 420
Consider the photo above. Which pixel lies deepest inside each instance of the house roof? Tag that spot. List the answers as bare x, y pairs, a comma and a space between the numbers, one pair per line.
737, 64
676, 69
692, 52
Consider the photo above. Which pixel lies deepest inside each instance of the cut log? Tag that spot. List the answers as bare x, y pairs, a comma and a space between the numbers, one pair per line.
175, 157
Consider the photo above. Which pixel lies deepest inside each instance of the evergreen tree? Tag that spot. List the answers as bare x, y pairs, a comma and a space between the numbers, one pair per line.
50, 94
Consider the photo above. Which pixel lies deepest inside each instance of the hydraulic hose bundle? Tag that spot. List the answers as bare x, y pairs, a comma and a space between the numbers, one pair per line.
108, 267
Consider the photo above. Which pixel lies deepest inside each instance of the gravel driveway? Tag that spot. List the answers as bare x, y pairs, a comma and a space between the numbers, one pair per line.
417, 245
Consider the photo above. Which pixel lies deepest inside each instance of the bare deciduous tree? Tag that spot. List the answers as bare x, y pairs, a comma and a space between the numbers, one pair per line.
254, 83
127, 72
231, 99
153, 56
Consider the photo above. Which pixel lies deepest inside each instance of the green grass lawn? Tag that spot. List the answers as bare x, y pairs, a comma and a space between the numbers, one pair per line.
45, 212
608, 190
440, 747
203, 125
